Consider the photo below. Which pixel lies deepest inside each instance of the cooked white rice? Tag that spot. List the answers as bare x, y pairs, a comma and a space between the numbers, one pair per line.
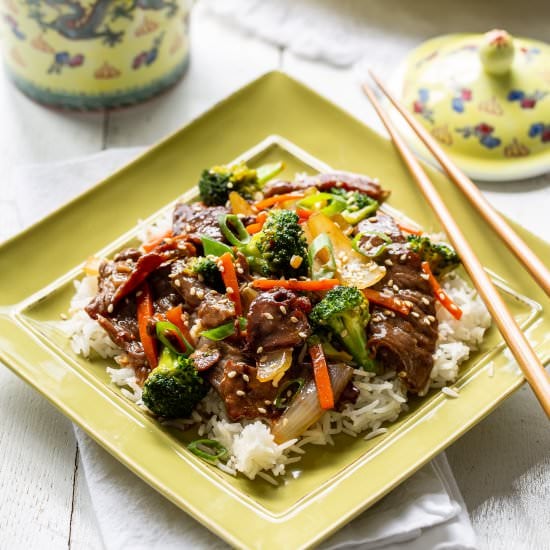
252, 449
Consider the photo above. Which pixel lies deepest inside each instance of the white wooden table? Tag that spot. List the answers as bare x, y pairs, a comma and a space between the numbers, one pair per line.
502, 465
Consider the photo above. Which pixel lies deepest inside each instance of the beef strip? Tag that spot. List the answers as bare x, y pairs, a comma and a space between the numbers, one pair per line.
235, 381
277, 319
325, 182
119, 321
212, 308
195, 220
401, 343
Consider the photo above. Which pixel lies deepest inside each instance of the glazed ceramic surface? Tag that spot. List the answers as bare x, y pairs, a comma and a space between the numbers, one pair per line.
332, 484
486, 99
94, 54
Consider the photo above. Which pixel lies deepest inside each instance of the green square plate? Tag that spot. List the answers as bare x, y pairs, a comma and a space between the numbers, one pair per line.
332, 484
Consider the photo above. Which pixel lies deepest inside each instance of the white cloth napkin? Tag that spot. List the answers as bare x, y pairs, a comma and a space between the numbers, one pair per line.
425, 512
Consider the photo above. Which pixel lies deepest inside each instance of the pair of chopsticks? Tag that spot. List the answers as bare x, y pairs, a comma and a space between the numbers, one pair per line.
532, 368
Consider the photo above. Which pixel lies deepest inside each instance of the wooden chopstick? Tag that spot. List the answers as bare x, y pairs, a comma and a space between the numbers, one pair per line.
526, 357
517, 246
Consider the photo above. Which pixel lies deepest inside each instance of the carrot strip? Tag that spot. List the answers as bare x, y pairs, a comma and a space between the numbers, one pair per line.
440, 294
145, 312
174, 315
254, 228
321, 375
390, 302
152, 244
408, 229
229, 276
276, 199
305, 286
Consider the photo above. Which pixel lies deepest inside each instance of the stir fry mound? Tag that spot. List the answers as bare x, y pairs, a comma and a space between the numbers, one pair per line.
271, 293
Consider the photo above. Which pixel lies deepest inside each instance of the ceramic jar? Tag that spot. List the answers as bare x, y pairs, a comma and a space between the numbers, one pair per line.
94, 54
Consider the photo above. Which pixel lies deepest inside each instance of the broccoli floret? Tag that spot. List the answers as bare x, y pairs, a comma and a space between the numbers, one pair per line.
216, 184
441, 257
207, 269
344, 311
358, 205
174, 387
280, 248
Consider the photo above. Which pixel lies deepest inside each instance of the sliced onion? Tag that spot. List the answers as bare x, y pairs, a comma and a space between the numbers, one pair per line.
353, 268
305, 409
274, 364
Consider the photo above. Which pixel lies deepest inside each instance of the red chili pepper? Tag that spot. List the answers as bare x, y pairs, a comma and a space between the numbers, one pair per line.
321, 375
229, 276
304, 214
390, 302
144, 267
440, 294
145, 313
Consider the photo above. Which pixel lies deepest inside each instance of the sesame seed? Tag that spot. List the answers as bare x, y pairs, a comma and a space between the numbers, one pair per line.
229, 290
261, 410
344, 333
431, 318
240, 393
259, 350
390, 282
283, 309
230, 185
267, 402
403, 257
415, 314
240, 270
246, 378
263, 358
388, 262
425, 276
373, 267
232, 374
200, 294
408, 303
63, 316
293, 319
193, 291
268, 315
302, 334
177, 282
426, 321
387, 312
425, 300
221, 268
396, 288
110, 308
450, 392
376, 319
139, 292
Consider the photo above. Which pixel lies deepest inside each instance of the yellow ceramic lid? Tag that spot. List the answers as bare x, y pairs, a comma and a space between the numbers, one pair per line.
486, 99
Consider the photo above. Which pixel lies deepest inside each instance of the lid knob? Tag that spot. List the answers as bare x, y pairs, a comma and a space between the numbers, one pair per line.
497, 52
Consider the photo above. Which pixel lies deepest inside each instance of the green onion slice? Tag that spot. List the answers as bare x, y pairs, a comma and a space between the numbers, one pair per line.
223, 331
375, 252
268, 171
214, 248
164, 329
354, 217
325, 270
233, 229
335, 203
283, 399
208, 449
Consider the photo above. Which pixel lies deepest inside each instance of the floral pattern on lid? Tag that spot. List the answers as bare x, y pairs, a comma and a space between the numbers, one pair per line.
486, 98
